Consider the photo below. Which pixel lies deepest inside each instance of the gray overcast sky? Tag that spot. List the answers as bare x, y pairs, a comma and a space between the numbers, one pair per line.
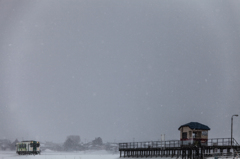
118, 69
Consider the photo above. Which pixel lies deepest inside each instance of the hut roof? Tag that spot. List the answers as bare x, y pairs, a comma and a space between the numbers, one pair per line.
195, 126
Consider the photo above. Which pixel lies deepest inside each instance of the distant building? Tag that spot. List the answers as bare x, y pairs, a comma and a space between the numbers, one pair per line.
193, 133
112, 147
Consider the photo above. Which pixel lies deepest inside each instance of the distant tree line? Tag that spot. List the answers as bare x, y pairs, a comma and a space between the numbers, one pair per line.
72, 143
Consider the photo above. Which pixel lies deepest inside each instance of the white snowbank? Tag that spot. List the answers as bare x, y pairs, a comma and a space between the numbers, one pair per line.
102, 154
49, 154
48, 150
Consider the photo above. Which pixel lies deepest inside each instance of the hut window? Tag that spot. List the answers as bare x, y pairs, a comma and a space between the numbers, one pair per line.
197, 134
204, 133
184, 135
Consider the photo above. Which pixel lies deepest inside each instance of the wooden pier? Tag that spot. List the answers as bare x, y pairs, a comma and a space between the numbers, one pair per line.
179, 149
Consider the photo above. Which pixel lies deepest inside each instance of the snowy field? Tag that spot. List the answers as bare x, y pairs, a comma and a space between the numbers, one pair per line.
66, 155
61, 155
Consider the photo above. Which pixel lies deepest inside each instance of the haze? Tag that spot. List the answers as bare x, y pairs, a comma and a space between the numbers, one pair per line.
120, 70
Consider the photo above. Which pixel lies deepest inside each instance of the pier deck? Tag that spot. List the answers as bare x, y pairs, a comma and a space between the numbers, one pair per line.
177, 148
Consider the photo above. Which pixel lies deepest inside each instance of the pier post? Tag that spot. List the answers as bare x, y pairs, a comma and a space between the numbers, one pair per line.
221, 151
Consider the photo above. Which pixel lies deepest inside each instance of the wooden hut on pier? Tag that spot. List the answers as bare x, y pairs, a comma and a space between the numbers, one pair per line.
194, 133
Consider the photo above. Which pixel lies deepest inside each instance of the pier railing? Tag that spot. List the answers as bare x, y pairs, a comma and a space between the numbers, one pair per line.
176, 143
222, 142
150, 144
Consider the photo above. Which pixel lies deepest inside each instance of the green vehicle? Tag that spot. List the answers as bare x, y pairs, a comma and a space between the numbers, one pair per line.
28, 148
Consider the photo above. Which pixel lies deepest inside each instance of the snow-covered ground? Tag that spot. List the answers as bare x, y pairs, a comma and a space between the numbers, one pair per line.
66, 155
61, 155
